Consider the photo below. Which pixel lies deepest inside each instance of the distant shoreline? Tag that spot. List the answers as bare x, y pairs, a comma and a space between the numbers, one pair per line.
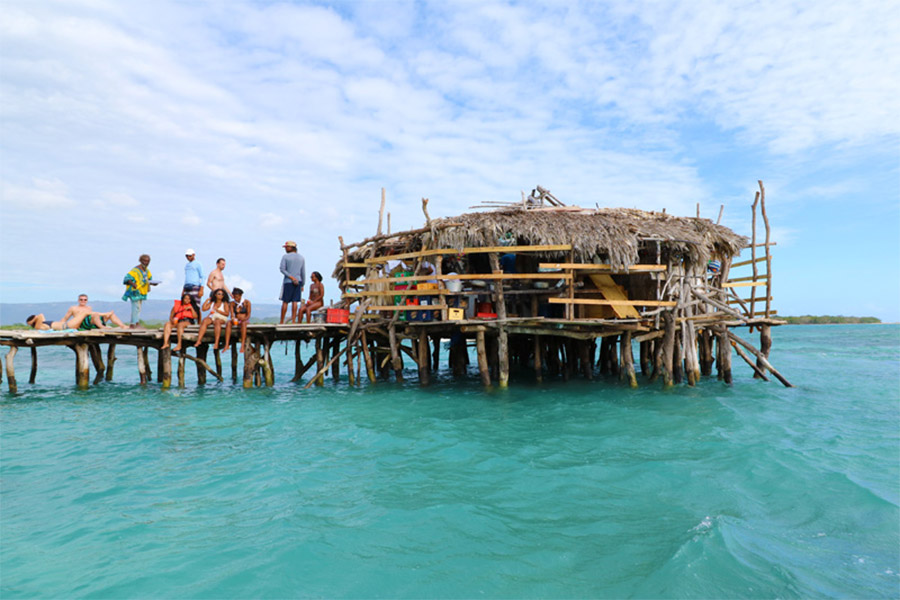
832, 320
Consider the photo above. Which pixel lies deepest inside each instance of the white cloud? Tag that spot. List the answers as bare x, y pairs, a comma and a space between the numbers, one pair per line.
42, 194
191, 218
233, 280
270, 220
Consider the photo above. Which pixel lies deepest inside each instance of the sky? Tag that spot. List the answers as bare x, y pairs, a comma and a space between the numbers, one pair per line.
231, 127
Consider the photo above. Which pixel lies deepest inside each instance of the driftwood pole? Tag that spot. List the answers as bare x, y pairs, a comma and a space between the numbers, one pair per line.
234, 362
110, 361
367, 356
97, 359
757, 372
34, 365
142, 366
759, 356
668, 349
202, 353
181, 364
165, 367
627, 370
82, 366
538, 350
251, 358
396, 361
723, 363
765, 345
320, 362
11, 370
424, 360
483, 369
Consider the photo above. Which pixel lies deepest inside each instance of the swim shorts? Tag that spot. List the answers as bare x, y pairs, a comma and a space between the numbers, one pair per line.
291, 292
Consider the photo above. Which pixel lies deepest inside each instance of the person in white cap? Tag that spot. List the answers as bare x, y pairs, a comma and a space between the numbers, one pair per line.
293, 267
193, 276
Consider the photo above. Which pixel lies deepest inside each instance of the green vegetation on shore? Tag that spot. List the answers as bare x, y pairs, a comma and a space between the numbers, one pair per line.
828, 320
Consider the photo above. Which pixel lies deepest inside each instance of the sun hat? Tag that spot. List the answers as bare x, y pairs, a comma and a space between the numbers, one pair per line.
189, 252
290, 244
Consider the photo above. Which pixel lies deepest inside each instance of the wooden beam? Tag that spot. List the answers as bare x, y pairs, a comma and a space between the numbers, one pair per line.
739, 300
472, 276
748, 262
743, 284
474, 250
603, 267
397, 307
750, 278
597, 302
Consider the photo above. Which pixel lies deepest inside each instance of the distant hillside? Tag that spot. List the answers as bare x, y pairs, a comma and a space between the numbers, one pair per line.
828, 320
153, 310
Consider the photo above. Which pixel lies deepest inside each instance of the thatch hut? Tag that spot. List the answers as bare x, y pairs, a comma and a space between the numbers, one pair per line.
542, 284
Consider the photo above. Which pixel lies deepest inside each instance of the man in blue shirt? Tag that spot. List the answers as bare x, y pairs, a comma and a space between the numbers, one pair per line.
193, 276
293, 267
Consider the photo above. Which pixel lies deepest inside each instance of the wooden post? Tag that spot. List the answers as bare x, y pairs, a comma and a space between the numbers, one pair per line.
503, 337
627, 370
757, 372
351, 378
267, 366
706, 353
335, 365
396, 361
668, 349
424, 359
218, 357
202, 353
759, 356
298, 361
692, 369
765, 345
181, 360
587, 362
159, 366
645, 354
723, 362
97, 359
142, 366
367, 356
538, 349
146, 354
381, 214
482, 359
320, 361
234, 362
110, 361
11, 370
251, 358
677, 360
33, 376
82, 365
165, 367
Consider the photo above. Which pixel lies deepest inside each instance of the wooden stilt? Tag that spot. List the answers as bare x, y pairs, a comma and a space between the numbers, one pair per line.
267, 366
97, 359
11, 370
724, 354
668, 349
335, 350
757, 372
165, 367
159, 367
765, 345
142, 365
396, 361
218, 358
627, 360
424, 359
234, 362
587, 362
503, 356
367, 356
538, 351
705, 352
320, 362
760, 357
251, 358
202, 353
110, 361
482, 358
34, 365
435, 352
351, 378
645, 358
146, 354
181, 360
677, 358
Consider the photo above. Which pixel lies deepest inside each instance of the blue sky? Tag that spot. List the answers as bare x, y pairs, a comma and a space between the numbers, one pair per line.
230, 127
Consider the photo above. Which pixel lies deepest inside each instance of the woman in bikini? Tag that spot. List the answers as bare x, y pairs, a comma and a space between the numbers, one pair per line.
316, 298
219, 314
240, 316
184, 313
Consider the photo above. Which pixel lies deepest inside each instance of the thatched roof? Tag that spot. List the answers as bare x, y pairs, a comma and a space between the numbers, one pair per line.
613, 233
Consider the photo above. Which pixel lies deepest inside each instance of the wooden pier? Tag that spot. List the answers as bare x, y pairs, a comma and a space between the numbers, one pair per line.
564, 291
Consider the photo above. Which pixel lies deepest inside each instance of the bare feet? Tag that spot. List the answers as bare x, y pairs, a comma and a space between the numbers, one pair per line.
197, 344
227, 347
176, 349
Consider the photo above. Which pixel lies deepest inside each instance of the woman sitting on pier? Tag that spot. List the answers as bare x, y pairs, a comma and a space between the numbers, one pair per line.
316, 298
219, 307
183, 313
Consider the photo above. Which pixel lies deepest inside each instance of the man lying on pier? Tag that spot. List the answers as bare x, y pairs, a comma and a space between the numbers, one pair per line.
84, 318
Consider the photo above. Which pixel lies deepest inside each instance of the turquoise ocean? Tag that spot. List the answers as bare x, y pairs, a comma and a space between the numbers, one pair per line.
560, 490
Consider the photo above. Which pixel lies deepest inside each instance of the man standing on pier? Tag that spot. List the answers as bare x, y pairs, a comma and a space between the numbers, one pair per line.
216, 279
293, 267
193, 276
138, 281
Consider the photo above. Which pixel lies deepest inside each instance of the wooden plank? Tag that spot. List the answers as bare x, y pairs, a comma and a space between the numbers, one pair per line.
475, 250
745, 300
743, 284
750, 278
355, 265
748, 262
473, 276
613, 292
410, 307
396, 293
603, 267
614, 303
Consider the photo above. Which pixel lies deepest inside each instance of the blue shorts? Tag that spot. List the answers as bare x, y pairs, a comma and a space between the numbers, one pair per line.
291, 292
